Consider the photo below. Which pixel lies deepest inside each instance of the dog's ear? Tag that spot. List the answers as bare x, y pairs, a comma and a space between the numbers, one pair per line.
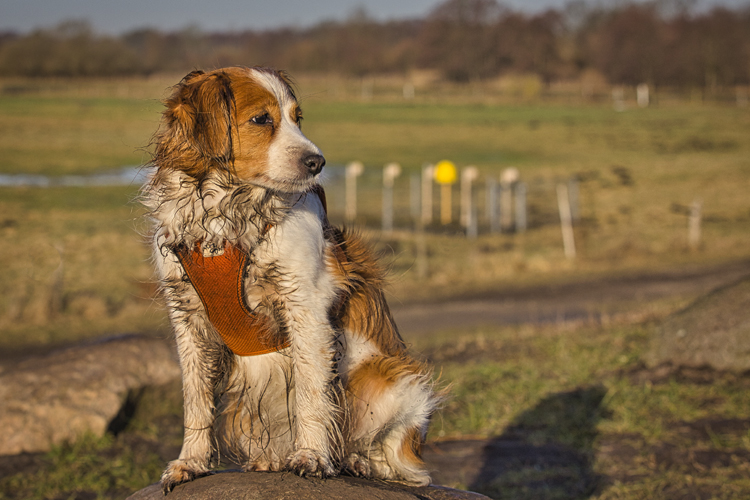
200, 112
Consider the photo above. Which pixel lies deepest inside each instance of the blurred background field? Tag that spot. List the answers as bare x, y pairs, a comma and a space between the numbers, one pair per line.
77, 265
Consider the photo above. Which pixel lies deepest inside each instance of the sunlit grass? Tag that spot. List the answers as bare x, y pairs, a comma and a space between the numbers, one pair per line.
635, 168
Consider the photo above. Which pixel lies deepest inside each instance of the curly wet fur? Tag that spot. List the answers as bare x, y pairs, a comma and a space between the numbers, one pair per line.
345, 395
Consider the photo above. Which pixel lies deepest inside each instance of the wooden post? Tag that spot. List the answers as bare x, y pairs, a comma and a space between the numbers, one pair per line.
566, 222
446, 175
390, 172
468, 216
409, 91
492, 205
573, 197
446, 204
641, 95
415, 202
507, 179
353, 170
428, 174
694, 225
521, 222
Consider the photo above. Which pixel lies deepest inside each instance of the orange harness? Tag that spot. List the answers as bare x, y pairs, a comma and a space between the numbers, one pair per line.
219, 283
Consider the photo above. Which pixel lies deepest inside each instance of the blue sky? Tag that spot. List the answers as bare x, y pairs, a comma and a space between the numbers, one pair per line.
118, 16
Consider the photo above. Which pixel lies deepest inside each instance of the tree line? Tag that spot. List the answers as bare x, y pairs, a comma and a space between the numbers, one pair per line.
663, 42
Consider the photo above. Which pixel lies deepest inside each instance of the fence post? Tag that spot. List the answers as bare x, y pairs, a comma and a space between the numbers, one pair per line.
507, 179
492, 204
521, 222
353, 170
641, 95
415, 202
408, 91
468, 216
390, 172
428, 174
573, 196
566, 222
446, 175
694, 225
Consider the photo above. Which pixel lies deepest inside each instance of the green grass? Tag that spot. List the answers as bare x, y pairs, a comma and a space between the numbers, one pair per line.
671, 155
112, 466
75, 267
74, 135
584, 390
627, 432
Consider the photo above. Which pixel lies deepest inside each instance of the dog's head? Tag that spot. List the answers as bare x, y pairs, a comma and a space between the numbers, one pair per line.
245, 121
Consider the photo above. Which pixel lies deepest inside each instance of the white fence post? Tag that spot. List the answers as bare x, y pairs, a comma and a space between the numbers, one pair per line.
428, 174
508, 177
641, 95
408, 91
468, 216
492, 205
415, 202
353, 170
390, 172
574, 198
694, 224
520, 192
566, 222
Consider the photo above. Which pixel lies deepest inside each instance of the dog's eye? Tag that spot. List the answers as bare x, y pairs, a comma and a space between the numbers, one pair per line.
264, 119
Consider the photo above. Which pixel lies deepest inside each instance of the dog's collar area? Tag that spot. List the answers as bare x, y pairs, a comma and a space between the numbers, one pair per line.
218, 279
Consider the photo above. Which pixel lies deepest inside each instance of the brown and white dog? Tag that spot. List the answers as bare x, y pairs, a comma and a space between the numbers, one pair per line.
242, 246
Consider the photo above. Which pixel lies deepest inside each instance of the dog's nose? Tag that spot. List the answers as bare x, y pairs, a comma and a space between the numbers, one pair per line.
314, 163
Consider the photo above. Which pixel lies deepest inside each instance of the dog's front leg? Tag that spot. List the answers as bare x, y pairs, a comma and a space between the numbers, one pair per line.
199, 361
313, 372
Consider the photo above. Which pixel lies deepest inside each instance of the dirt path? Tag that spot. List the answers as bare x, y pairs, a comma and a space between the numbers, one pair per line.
594, 300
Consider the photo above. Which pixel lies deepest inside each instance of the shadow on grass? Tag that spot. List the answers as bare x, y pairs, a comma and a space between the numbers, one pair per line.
546, 453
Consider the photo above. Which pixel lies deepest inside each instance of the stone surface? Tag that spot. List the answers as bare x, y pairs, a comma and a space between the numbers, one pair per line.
233, 485
54, 398
714, 332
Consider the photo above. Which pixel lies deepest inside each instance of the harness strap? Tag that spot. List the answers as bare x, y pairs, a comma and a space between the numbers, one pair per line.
219, 282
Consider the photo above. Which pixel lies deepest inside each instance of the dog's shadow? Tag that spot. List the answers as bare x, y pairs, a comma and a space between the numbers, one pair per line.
547, 452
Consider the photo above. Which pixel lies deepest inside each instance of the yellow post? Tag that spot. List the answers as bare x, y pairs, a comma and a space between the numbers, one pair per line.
446, 204
446, 175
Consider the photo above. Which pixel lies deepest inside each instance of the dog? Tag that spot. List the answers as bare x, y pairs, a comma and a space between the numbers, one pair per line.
290, 357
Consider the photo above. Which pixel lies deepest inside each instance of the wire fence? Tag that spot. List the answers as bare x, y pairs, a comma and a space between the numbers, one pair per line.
476, 204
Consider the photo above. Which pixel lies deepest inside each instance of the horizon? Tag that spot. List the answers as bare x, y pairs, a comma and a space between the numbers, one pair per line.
117, 18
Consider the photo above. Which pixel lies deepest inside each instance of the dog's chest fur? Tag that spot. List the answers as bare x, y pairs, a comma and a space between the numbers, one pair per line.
283, 236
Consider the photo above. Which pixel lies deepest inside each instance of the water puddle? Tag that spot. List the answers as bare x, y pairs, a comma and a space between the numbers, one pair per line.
125, 176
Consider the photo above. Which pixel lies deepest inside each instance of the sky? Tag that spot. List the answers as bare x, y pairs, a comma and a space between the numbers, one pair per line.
115, 17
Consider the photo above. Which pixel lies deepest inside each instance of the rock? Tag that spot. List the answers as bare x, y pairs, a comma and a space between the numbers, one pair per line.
55, 398
714, 332
233, 485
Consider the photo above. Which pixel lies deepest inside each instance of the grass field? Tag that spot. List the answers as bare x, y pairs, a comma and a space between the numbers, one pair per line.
75, 267
585, 419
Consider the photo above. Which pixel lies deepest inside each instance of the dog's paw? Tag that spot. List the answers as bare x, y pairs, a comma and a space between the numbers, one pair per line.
357, 465
310, 463
178, 472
